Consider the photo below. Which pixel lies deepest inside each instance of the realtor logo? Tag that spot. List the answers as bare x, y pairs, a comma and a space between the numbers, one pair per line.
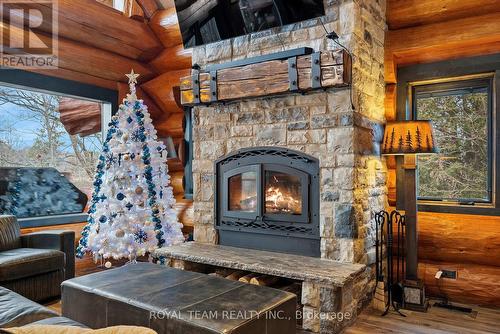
28, 34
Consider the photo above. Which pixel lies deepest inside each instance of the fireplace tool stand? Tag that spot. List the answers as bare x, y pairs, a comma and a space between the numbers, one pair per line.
393, 283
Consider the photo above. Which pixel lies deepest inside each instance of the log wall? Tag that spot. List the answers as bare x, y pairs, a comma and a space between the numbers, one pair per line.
470, 244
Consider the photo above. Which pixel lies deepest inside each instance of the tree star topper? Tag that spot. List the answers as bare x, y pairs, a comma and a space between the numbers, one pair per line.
132, 77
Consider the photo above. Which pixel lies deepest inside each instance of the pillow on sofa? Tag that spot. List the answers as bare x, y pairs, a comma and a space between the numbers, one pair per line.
51, 329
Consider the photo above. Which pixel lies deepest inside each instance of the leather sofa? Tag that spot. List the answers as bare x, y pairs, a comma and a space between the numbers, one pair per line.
17, 311
35, 264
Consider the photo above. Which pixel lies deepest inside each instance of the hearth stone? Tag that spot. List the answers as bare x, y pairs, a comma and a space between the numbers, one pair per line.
331, 290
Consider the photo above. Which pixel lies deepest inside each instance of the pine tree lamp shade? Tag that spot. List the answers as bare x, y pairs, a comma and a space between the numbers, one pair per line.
408, 137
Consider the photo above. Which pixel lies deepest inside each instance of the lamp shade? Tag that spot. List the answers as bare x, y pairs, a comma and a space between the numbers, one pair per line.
408, 137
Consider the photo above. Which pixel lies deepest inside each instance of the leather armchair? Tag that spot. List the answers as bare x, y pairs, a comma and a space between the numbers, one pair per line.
35, 264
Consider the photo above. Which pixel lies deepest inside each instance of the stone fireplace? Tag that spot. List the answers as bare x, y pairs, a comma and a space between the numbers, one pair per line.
320, 124
298, 173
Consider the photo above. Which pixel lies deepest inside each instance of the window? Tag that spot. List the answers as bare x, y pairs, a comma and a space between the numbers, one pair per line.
472, 87
461, 112
49, 146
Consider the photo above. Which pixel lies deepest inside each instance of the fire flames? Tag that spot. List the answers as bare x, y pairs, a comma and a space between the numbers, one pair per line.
279, 202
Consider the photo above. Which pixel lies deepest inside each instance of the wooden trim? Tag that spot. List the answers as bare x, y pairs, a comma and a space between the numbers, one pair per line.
269, 78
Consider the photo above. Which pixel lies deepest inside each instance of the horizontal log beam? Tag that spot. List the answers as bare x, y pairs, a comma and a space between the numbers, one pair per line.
164, 90
166, 27
79, 116
466, 37
88, 22
269, 78
81, 58
475, 284
171, 59
459, 238
409, 13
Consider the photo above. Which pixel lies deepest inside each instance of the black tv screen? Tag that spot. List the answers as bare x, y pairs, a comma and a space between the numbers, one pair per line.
208, 21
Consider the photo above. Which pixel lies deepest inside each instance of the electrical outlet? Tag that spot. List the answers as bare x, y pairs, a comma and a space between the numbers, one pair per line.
451, 274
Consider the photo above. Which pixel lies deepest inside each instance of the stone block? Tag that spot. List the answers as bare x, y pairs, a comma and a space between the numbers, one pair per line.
297, 126
207, 187
250, 117
345, 250
310, 320
286, 114
345, 224
205, 233
313, 99
271, 135
318, 110
323, 121
340, 140
330, 299
297, 137
329, 249
310, 294
316, 136
219, 51
326, 227
330, 196
212, 149
241, 131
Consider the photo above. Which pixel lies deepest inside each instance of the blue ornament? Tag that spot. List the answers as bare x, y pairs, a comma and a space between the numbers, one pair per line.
103, 219
120, 196
129, 206
129, 120
136, 135
141, 236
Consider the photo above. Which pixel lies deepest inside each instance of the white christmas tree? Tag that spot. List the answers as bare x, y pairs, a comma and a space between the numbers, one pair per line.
131, 210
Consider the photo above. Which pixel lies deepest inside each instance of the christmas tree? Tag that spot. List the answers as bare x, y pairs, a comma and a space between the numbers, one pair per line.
131, 210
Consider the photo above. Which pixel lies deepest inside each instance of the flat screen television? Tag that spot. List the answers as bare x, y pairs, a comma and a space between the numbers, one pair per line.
208, 21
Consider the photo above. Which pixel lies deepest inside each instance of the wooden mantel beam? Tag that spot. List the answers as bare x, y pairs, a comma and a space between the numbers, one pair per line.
268, 78
470, 36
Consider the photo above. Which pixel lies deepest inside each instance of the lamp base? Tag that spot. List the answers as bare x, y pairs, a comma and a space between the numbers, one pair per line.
414, 296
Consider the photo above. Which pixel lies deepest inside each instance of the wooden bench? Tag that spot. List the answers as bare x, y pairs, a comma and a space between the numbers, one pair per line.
174, 301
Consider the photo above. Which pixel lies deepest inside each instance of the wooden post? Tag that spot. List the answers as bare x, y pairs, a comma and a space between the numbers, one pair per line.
410, 198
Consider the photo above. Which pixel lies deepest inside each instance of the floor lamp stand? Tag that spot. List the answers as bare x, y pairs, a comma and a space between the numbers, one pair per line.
413, 288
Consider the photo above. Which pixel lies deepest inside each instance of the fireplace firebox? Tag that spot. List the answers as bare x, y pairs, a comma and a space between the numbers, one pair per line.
267, 198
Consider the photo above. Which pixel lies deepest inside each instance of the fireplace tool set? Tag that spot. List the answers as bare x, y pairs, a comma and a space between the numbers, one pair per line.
385, 226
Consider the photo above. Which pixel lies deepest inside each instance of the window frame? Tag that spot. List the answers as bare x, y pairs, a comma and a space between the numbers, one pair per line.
457, 84
447, 72
52, 85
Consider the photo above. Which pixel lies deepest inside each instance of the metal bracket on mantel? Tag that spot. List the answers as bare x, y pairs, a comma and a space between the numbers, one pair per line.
293, 75
195, 78
316, 70
213, 86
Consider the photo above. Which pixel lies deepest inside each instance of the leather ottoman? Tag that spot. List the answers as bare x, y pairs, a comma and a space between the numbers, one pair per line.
174, 301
